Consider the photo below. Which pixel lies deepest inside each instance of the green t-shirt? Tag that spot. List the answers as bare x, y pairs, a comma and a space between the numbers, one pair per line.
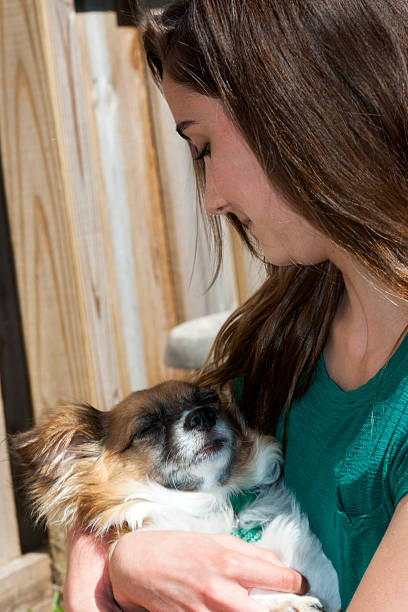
347, 462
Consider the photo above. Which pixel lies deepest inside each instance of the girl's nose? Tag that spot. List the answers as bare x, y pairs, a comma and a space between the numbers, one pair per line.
214, 203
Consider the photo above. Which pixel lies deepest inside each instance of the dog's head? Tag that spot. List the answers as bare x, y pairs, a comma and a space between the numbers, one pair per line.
83, 464
178, 434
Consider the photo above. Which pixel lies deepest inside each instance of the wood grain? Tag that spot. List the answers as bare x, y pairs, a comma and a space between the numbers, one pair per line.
40, 220
86, 191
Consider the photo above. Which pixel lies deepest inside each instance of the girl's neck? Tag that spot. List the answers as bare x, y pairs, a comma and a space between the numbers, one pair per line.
367, 325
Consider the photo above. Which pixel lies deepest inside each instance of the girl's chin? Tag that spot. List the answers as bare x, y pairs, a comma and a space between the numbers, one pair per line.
277, 258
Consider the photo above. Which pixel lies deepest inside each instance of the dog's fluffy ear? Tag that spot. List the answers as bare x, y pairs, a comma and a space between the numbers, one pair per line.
69, 433
55, 456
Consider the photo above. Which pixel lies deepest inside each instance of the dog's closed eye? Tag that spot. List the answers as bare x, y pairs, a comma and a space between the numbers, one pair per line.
153, 427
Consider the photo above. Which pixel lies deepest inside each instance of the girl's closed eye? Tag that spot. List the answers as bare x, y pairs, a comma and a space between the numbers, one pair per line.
206, 151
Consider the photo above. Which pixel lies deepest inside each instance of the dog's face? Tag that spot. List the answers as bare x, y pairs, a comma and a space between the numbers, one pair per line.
176, 433
85, 466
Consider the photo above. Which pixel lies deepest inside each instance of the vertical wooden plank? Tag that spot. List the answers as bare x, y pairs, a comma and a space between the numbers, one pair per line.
114, 371
40, 220
154, 279
133, 201
9, 539
102, 85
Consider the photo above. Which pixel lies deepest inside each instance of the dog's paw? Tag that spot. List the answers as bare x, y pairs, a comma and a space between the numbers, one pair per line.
279, 602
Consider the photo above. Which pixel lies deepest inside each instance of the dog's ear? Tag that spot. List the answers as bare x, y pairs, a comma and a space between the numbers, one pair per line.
67, 434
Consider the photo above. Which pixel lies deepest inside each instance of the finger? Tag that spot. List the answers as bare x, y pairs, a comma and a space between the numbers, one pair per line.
264, 575
248, 549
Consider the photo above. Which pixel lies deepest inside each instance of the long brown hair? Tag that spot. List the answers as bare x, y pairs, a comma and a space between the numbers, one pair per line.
319, 89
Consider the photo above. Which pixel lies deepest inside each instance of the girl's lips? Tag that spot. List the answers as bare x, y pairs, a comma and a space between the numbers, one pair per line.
247, 222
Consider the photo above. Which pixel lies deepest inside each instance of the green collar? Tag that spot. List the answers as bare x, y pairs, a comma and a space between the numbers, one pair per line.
238, 502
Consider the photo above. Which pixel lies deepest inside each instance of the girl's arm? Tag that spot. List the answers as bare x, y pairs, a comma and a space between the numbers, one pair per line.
178, 571
384, 585
87, 585
193, 572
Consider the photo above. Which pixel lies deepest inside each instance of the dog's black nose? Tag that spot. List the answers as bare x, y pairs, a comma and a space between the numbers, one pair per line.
202, 419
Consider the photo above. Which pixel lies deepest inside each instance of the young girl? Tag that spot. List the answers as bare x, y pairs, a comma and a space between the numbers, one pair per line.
296, 112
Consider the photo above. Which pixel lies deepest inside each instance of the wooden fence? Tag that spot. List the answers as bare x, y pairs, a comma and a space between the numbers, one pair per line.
101, 209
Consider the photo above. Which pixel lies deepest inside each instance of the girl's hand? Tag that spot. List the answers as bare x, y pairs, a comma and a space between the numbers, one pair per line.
87, 585
192, 572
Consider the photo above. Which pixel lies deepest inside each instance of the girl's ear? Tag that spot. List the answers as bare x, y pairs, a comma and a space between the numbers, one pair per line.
68, 433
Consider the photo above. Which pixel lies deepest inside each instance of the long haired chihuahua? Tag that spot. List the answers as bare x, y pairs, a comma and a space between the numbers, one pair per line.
177, 456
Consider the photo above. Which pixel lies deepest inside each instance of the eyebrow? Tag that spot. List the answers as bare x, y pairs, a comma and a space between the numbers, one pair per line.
183, 125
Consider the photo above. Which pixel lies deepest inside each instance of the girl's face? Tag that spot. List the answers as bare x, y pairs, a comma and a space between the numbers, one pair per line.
236, 183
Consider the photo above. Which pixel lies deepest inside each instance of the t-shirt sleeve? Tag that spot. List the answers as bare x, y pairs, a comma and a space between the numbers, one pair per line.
398, 475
